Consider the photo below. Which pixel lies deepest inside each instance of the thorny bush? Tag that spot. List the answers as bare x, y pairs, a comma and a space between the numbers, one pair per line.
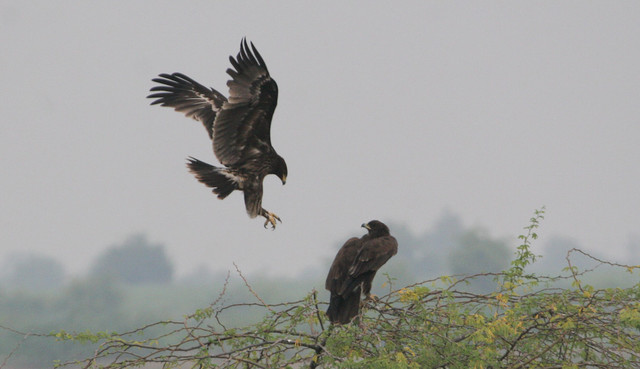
527, 322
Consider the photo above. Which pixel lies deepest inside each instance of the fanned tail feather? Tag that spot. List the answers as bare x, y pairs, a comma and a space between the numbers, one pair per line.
222, 181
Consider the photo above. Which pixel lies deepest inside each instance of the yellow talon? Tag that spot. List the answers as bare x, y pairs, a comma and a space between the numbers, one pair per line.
271, 218
372, 298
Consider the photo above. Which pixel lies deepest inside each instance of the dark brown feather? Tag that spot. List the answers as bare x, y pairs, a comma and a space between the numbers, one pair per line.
238, 127
341, 264
189, 97
354, 268
242, 128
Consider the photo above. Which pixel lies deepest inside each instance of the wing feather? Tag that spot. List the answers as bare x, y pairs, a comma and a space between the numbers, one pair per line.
373, 254
188, 97
339, 270
242, 126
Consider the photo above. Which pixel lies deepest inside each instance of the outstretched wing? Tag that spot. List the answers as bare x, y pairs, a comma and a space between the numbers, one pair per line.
189, 97
372, 255
242, 127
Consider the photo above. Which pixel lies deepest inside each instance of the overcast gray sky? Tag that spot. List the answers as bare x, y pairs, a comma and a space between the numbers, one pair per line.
387, 110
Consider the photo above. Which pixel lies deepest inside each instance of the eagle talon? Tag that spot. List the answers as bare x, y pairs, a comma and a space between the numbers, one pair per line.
371, 297
242, 143
352, 272
369, 300
271, 218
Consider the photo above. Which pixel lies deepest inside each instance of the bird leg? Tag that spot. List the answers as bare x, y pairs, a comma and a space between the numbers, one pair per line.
271, 218
371, 297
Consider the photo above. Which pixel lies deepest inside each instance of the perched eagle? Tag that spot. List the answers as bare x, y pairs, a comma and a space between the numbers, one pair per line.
353, 269
239, 127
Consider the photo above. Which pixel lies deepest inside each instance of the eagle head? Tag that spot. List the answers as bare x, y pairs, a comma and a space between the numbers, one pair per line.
376, 228
280, 169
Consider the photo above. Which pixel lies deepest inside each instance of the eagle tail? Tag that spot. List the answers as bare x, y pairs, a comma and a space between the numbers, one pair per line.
221, 180
343, 308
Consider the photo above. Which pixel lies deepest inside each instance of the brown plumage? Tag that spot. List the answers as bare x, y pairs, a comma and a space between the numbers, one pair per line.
239, 127
354, 268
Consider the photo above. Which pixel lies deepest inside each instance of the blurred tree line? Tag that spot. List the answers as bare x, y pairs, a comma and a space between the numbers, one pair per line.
133, 283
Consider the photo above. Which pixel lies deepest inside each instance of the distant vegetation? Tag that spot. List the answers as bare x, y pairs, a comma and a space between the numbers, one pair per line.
132, 284
136, 261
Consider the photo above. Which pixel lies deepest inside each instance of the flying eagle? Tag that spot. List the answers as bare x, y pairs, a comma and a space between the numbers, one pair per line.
353, 269
239, 127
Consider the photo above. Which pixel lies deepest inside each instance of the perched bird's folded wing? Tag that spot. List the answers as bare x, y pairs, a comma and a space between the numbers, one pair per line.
339, 270
373, 254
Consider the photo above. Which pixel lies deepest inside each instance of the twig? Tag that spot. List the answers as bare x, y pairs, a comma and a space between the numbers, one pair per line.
251, 289
24, 338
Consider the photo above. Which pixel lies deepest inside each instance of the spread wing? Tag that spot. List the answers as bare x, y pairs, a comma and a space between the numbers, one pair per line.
189, 97
373, 254
339, 270
242, 127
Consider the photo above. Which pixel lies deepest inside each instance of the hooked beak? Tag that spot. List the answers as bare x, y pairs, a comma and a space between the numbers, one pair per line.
365, 225
284, 180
